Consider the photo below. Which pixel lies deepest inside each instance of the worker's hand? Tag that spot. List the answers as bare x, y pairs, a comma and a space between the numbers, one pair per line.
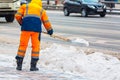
50, 32
20, 22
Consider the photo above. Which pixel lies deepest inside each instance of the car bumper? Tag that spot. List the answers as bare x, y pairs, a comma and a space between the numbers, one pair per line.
95, 11
7, 12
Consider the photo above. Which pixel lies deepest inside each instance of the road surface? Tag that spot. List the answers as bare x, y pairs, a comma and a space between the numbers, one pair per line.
101, 33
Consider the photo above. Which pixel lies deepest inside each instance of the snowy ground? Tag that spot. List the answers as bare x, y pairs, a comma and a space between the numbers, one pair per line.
56, 59
96, 66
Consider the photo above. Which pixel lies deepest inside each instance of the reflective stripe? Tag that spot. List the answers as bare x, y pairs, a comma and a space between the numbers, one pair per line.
26, 9
22, 51
35, 55
46, 21
33, 52
32, 15
18, 13
21, 54
41, 12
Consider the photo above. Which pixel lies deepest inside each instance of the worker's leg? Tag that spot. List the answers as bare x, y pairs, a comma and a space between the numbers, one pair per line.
24, 39
35, 39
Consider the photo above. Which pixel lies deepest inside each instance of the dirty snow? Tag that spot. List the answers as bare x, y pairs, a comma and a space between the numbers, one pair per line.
68, 59
96, 66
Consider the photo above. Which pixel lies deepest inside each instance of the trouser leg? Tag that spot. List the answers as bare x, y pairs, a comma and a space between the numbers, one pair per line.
24, 38
35, 51
35, 39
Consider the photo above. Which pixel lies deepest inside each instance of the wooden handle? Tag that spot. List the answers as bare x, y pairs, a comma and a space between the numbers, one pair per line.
58, 37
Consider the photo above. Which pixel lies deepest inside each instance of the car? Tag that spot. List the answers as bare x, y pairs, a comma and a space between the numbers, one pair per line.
8, 8
84, 7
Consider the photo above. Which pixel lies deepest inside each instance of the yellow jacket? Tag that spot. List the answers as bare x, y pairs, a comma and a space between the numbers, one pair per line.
32, 10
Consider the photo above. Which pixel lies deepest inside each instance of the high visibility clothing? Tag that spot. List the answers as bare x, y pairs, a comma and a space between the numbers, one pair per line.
30, 17
24, 39
34, 14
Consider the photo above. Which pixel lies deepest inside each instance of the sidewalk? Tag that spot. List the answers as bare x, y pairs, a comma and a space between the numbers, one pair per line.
9, 73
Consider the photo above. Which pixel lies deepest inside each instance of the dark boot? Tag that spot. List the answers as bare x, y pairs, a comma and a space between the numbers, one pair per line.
33, 65
19, 63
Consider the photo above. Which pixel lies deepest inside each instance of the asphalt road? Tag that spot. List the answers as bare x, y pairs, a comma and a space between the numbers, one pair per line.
102, 33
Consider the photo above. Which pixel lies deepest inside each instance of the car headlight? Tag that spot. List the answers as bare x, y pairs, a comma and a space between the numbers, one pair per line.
90, 6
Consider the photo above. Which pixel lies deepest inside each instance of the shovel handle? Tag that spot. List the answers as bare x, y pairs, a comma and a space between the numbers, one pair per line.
57, 36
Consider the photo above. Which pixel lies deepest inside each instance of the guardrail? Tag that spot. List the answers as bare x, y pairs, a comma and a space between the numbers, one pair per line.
112, 5
53, 7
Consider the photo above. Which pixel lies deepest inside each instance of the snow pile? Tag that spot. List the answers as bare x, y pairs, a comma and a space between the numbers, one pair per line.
96, 66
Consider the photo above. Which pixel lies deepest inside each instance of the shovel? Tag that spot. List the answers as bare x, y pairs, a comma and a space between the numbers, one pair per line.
58, 37
80, 41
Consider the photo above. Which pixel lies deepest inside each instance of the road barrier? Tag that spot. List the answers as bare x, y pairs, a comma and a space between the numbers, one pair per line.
112, 6
53, 7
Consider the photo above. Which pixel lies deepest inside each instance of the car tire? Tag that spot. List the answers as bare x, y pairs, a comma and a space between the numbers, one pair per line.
9, 18
84, 13
102, 15
66, 12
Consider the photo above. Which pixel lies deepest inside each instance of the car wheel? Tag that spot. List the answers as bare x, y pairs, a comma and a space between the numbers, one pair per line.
84, 13
66, 12
102, 15
9, 18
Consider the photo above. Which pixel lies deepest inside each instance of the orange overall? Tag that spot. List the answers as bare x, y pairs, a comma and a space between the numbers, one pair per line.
30, 17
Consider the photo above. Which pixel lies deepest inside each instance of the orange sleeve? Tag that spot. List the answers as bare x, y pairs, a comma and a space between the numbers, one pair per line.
45, 20
20, 13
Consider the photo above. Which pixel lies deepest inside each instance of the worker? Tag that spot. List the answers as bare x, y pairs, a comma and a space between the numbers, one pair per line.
30, 17
23, 2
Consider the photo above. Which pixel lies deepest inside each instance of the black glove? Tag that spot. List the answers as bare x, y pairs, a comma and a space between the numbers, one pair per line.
20, 22
50, 32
